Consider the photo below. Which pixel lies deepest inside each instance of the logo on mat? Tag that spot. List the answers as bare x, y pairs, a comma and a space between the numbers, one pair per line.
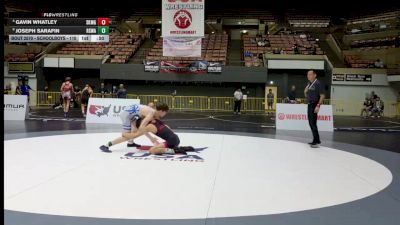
99, 110
145, 155
281, 116
183, 19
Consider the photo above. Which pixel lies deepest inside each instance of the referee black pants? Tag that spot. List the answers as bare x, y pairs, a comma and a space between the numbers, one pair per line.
312, 120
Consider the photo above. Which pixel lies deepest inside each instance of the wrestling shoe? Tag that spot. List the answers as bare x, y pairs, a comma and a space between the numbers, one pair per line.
186, 148
133, 145
179, 151
105, 149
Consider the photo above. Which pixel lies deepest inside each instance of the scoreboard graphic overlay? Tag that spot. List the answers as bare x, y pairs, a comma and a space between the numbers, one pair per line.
58, 27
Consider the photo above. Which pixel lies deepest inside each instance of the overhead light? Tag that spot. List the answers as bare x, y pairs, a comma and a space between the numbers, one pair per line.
271, 82
317, 39
212, 32
244, 31
130, 31
159, 21
240, 22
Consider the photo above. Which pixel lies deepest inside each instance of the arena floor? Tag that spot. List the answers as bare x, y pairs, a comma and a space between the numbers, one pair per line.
244, 172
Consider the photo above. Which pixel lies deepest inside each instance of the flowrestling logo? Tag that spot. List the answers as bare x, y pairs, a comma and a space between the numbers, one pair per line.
146, 156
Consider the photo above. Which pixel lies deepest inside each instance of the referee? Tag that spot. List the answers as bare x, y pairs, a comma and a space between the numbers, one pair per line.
315, 95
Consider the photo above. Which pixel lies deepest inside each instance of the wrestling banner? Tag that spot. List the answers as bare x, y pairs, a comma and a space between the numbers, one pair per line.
182, 18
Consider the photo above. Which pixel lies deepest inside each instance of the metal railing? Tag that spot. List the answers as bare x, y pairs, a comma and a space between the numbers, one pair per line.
225, 104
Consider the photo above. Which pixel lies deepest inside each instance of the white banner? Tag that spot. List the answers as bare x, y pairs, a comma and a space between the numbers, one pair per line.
16, 107
182, 18
294, 117
106, 110
296, 64
182, 47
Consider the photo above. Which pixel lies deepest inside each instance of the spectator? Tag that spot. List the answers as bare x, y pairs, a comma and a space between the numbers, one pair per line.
86, 94
367, 107
18, 90
13, 88
378, 108
258, 38
267, 43
103, 90
67, 89
248, 54
260, 43
121, 93
114, 91
270, 99
397, 42
256, 61
76, 96
25, 88
378, 64
238, 97
292, 95
309, 38
260, 57
398, 97
373, 96
296, 49
44, 97
314, 50
59, 104
7, 90
276, 51
281, 52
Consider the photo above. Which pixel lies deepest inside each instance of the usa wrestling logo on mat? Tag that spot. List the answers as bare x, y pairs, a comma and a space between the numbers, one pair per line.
145, 155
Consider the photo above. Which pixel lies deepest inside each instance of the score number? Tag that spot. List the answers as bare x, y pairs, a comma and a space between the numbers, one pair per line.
103, 26
103, 22
103, 30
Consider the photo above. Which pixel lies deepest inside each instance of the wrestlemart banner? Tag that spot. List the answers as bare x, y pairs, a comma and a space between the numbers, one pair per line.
182, 18
294, 117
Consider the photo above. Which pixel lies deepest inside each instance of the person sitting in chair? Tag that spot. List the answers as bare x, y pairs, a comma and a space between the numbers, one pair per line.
378, 108
367, 107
